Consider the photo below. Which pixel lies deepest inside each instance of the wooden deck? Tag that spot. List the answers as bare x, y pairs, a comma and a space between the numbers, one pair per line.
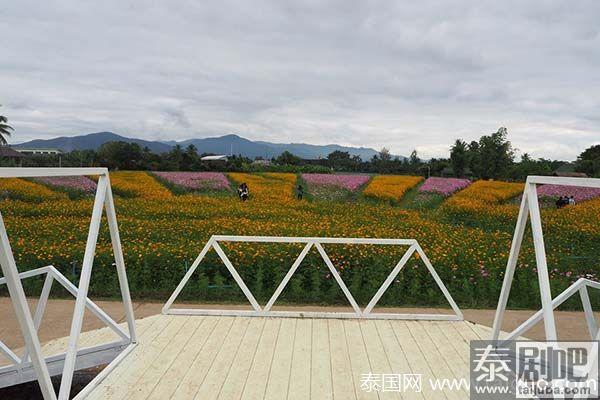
194, 357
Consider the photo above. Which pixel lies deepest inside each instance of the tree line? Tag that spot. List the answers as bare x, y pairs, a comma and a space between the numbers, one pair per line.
491, 157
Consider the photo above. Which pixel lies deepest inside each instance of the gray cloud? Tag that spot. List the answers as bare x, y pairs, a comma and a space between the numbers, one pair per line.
370, 73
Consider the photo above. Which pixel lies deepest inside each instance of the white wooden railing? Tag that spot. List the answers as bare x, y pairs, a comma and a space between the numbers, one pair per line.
530, 209
310, 242
43, 368
580, 286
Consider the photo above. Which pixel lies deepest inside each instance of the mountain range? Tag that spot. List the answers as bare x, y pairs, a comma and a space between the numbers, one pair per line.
227, 144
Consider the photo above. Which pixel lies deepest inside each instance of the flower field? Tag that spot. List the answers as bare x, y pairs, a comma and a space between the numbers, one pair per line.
78, 183
391, 187
484, 201
443, 186
21, 189
334, 187
578, 193
345, 181
138, 184
467, 239
196, 180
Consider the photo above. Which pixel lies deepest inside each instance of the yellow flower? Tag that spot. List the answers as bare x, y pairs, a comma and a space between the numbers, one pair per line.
391, 187
138, 184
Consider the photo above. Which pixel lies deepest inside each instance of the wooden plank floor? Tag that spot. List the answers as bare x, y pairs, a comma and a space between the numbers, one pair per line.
203, 358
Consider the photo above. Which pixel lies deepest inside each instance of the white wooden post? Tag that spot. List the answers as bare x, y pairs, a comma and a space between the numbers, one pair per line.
439, 282
84, 283
389, 280
238, 279
589, 313
41, 307
188, 275
115, 238
287, 277
19, 302
338, 279
511, 266
530, 204
29, 325
542, 266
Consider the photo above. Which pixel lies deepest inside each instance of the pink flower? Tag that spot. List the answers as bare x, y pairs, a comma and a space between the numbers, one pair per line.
444, 186
82, 183
196, 180
578, 193
346, 181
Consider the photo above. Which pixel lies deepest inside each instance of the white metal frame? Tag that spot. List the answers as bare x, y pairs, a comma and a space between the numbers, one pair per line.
67, 363
580, 286
310, 242
18, 372
530, 208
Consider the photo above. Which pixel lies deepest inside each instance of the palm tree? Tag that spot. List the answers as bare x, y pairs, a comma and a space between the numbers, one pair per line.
4, 130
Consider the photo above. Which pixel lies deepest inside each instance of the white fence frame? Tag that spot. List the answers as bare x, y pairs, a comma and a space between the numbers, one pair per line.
310, 242
580, 286
530, 208
18, 372
66, 364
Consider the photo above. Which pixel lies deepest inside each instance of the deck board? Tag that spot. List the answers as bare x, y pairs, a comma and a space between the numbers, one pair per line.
213, 382
300, 374
256, 382
377, 356
321, 384
198, 358
236, 378
359, 360
165, 388
141, 389
341, 369
279, 376
398, 360
195, 375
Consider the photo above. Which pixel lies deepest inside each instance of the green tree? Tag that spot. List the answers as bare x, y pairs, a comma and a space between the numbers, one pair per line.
385, 155
5, 130
497, 154
474, 158
528, 166
287, 158
120, 155
343, 161
190, 158
414, 161
459, 157
589, 161
173, 159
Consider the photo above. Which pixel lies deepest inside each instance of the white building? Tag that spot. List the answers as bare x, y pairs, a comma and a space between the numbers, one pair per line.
39, 151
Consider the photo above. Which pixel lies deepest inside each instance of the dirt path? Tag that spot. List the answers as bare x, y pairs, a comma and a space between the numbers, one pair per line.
571, 324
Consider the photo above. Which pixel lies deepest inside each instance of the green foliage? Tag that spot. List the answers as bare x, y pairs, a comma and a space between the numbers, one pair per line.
496, 154
121, 155
287, 158
589, 161
342, 161
5, 130
459, 157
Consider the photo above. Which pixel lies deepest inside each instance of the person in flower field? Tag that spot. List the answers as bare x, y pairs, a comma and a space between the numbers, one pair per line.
300, 192
243, 192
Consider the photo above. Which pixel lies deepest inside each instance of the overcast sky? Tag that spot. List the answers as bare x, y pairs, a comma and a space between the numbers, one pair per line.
397, 74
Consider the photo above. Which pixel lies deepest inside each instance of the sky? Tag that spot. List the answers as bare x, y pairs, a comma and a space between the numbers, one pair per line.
401, 75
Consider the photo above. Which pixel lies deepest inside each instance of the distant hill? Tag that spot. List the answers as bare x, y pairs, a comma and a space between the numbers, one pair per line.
234, 144
228, 144
231, 144
312, 151
91, 141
